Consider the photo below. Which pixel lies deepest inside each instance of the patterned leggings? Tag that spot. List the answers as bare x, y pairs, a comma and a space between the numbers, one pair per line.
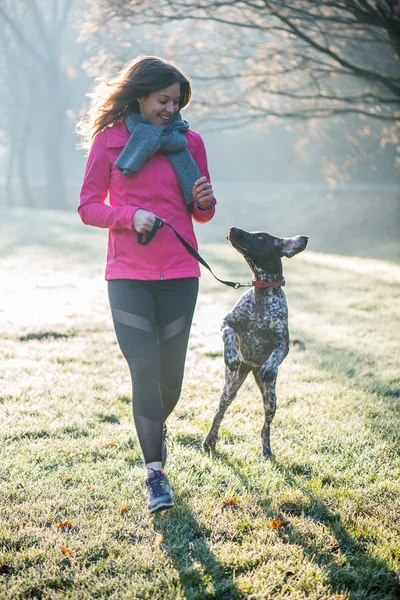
152, 321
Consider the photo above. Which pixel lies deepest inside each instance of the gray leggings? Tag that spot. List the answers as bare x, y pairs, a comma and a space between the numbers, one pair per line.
152, 321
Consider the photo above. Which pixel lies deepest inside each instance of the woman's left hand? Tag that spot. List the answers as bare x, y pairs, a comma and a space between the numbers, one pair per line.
202, 192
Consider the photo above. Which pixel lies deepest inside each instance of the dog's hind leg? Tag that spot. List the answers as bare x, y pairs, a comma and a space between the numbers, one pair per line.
233, 381
267, 390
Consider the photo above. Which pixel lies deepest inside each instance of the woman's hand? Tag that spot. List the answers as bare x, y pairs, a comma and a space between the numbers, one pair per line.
202, 192
143, 220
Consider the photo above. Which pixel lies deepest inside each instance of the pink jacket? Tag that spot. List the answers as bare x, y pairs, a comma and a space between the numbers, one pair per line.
155, 187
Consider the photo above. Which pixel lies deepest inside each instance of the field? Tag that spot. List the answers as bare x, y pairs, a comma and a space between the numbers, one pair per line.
320, 521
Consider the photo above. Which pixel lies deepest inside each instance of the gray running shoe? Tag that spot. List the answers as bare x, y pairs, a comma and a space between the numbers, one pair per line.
159, 490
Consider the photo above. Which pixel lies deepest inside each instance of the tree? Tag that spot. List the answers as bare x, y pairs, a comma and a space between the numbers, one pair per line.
31, 67
322, 66
301, 59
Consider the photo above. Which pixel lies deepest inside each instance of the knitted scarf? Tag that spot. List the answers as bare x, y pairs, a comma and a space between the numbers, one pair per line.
146, 139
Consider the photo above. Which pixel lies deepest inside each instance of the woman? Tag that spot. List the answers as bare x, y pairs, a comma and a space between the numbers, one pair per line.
145, 157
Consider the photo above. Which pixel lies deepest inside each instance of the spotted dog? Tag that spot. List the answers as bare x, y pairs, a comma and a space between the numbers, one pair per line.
255, 333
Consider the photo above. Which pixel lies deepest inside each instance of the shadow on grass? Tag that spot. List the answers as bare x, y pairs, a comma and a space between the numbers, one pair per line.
350, 567
200, 573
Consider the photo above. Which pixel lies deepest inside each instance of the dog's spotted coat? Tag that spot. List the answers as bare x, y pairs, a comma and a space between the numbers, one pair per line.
255, 333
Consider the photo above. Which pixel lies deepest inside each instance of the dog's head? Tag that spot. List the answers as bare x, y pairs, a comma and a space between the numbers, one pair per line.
264, 251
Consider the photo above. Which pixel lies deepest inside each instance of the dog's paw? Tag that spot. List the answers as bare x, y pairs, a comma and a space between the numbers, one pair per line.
267, 373
233, 363
209, 443
231, 353
267, 453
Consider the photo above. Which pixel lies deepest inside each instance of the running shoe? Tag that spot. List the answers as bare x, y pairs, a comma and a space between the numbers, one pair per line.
159, 490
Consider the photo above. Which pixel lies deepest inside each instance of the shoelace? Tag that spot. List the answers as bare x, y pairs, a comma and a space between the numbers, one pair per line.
157, 483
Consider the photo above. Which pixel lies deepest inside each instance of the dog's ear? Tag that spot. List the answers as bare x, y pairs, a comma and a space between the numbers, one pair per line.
294, 245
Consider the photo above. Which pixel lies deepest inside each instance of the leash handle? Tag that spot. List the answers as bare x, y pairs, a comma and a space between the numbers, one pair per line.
148, 235
158, 223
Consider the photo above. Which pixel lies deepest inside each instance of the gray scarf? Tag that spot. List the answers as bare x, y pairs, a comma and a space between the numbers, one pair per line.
146, 139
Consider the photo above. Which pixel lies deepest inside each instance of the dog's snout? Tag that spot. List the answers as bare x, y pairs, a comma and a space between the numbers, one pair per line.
235, 232
231, 231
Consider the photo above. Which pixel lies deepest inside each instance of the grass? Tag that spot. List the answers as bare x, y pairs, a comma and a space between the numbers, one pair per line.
73, 517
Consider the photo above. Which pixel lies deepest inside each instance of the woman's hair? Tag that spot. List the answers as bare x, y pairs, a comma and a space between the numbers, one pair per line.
112, 100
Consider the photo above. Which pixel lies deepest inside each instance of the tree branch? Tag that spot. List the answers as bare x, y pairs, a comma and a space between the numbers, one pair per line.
21, 38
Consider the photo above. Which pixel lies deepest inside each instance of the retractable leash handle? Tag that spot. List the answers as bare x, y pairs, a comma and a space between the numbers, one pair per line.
158, 223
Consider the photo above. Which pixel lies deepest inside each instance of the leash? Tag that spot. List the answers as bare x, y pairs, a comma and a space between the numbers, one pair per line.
145, 239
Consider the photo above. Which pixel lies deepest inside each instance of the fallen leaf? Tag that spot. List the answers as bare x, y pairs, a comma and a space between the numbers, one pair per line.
158, 539
339, 597
326, 480
231, 501
112, 443
123, 508
65, 550
66, 479
29, 524
276, 524
64, 525
89, 488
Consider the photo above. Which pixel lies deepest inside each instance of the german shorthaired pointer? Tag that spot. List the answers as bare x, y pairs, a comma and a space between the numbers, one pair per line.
255, 332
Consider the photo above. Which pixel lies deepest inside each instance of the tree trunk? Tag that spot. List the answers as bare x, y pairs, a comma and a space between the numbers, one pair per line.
55, 191
9, 195
21, 162
52, 142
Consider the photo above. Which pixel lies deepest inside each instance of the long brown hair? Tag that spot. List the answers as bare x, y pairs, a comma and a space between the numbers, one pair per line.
112, 100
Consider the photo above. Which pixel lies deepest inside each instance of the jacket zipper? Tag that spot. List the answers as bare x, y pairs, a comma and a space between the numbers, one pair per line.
161, 266
115, 246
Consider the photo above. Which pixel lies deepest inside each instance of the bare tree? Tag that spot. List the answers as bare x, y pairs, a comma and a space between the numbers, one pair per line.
34, 79
301, 59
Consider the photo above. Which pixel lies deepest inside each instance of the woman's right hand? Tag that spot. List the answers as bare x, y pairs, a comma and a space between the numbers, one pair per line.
143, 220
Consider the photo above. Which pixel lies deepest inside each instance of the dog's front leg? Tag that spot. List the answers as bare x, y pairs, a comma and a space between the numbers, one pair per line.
235, 321
269, 370
231, 352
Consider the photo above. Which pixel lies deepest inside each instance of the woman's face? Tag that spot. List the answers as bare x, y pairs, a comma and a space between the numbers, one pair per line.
159, 106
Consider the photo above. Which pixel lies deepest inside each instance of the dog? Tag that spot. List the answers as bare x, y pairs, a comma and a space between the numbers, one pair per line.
255, 333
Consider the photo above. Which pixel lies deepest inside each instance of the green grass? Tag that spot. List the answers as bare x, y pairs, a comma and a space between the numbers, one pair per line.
66, 426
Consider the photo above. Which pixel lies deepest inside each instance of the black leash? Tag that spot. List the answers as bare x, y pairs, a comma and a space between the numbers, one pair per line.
158, 223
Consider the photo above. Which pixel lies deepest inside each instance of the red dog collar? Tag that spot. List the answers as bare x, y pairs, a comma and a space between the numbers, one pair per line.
268, 284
